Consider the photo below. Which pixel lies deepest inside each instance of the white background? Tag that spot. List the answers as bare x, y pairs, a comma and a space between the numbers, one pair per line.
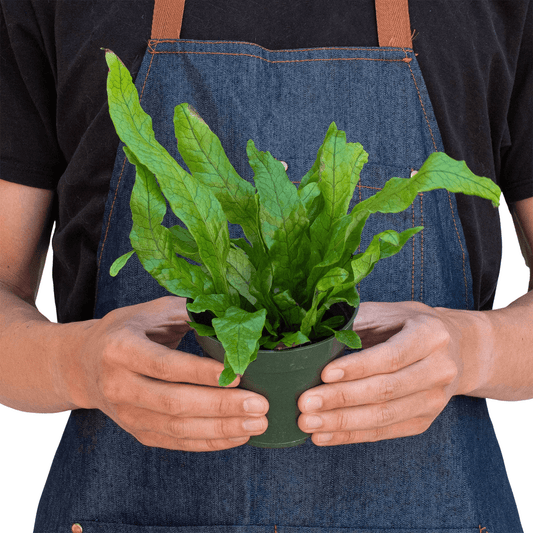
28, 441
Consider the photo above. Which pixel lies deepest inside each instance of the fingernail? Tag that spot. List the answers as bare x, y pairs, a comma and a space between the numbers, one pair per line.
324, 437
334, 375
313, 422
313, 403
253, 424
254, 405
239, 439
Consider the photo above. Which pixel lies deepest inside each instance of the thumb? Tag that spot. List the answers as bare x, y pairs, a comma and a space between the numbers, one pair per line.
163, 320
378, 321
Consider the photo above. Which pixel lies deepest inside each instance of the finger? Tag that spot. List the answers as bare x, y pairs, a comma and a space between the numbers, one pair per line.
395, 431
161, 317
168, 310
147, 358
191, 428
157, 440
189, 400
379, 316
419, 337
431, 372
424, 404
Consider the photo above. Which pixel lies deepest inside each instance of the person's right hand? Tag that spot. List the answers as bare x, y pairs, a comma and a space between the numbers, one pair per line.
127, 366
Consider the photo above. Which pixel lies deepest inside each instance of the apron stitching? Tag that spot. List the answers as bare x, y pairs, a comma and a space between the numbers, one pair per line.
111, 212
413, 265
423, 107
359, 187
285, 60
107, 230
146, 78
449, 197
390, 49
422, 246
462, 249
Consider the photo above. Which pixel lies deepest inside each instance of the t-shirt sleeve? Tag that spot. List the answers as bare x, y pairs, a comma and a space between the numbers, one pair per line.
29, 150
517, 155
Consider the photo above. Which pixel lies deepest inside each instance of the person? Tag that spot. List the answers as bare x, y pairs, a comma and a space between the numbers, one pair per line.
400, 435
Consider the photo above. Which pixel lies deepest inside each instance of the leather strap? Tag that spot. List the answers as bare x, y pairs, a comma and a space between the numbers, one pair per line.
166, 22
394, 27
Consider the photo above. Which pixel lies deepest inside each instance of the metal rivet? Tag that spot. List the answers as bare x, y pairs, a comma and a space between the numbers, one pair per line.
76, 528
285, 166
413, 172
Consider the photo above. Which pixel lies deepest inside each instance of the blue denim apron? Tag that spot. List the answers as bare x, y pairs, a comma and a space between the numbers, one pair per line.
449, 479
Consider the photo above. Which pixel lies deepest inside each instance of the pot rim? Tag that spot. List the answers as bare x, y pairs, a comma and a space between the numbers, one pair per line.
349, 322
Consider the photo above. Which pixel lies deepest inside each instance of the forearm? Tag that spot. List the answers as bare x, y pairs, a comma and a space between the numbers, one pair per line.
497, 349
31, 353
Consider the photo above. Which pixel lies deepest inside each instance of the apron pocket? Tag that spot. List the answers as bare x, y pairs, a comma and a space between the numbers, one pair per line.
106, 527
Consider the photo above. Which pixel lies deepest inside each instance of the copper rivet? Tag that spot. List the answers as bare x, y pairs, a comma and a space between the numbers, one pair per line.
413, 172
285, 166
76, 528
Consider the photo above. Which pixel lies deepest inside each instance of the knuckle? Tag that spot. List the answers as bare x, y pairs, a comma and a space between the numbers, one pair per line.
441, 336
417, 307
171, 404
343, 420
449, 373
116, 345
389, 388
212, 445
223, 405
385, 415
175, 428
112, 390
159, 367
361, 368
341, 398
395, 358
346, 437
378, 433
221, 429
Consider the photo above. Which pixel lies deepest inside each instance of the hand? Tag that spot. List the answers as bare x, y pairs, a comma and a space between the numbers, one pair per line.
411, 365
127, 366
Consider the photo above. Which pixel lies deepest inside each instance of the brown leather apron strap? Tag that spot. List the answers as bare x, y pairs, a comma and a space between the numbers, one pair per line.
166, 23
394, 27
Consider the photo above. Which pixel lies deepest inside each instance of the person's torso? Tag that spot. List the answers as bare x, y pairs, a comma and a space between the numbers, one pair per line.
458, 73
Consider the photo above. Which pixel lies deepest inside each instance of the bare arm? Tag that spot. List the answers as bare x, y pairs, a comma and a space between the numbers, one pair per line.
508, 360
125, 364
26, 362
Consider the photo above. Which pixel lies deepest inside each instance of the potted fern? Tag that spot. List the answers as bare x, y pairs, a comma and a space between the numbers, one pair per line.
276, 305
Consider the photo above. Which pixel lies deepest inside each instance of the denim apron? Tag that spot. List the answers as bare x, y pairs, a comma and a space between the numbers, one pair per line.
449, 479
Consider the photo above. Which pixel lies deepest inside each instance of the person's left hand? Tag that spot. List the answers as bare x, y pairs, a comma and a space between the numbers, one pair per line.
414, 359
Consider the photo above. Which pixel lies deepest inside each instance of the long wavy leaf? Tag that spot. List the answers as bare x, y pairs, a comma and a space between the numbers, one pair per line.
189, 200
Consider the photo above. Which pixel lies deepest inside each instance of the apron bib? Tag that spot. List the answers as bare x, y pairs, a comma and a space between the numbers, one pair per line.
449, 479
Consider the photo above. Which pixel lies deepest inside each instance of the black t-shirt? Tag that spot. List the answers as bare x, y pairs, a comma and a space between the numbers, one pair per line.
475, 55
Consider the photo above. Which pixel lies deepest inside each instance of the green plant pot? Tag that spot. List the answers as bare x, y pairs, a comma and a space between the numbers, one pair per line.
281, 376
